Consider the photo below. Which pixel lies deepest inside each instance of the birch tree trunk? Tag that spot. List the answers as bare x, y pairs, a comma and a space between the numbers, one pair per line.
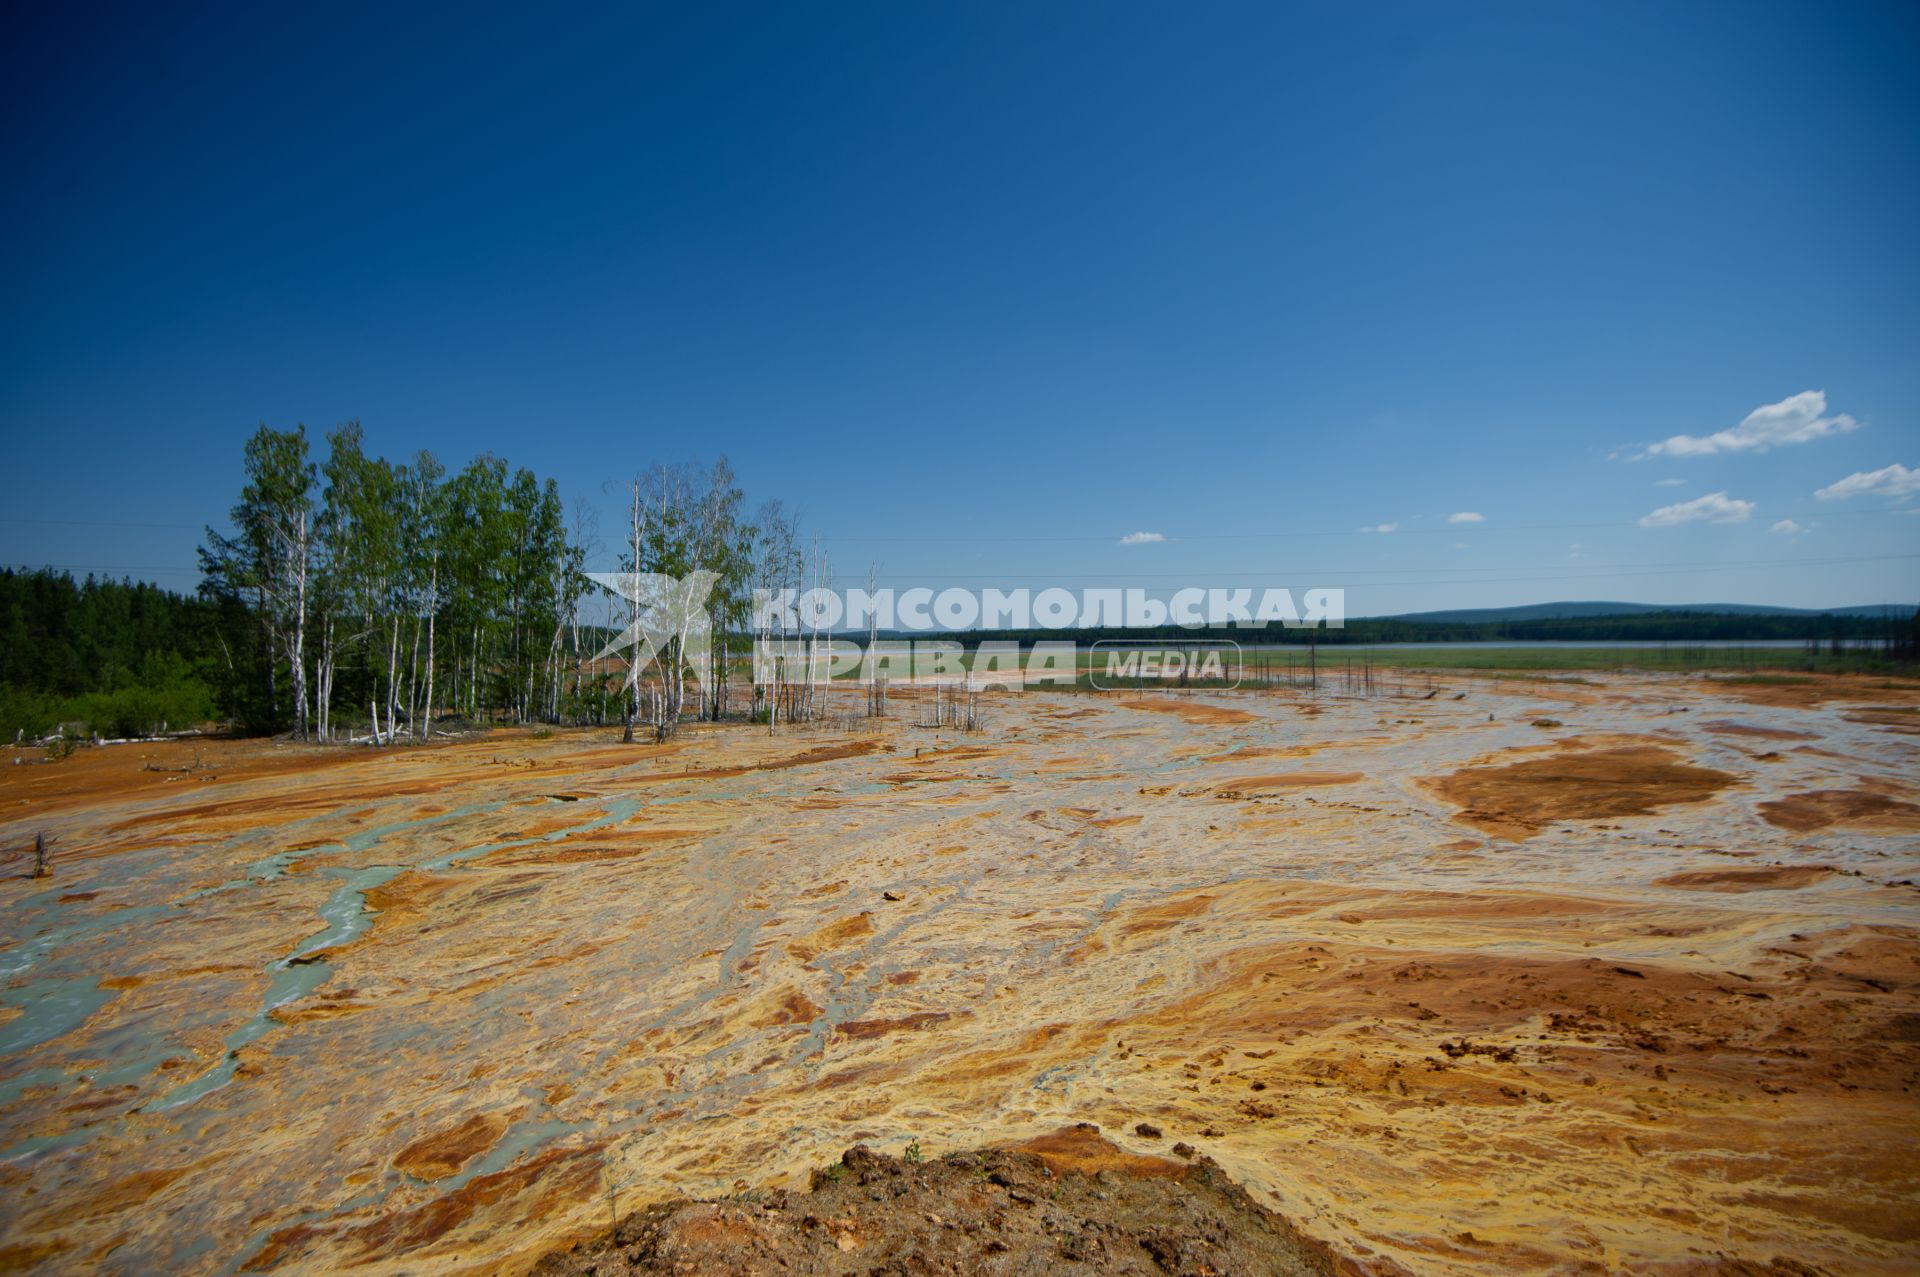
297, 654
433, 602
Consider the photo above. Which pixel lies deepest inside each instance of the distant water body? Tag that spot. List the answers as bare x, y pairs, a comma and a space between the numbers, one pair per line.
1649, 645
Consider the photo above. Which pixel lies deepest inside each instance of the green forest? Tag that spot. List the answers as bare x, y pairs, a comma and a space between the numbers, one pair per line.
350, 596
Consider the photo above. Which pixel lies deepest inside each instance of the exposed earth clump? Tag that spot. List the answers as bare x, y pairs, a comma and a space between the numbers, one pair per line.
1067, 1203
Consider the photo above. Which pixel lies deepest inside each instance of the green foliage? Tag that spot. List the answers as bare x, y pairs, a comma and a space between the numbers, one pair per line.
378, 590
116, 658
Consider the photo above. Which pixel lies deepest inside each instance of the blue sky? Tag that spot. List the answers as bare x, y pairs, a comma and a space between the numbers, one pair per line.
984, 288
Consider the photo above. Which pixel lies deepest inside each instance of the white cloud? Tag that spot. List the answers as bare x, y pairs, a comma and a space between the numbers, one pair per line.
1669, 483
1715, 507
1459, 545
1889, 481
1800, 418
1142, 538
1382, 528
1466, 516
1787, 527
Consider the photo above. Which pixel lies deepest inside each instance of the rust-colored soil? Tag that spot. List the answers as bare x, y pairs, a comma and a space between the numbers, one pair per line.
1199, 713
1080, 1149
1900, 718
1857, 808
440, 1154
1522, 798
1722, 727
1778, 878
418, 1010
1814, 690
1254, 786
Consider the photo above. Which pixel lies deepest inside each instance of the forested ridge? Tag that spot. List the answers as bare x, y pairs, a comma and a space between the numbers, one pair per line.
1677, 626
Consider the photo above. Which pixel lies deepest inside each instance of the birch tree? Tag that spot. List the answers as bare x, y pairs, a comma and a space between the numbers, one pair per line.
269, 558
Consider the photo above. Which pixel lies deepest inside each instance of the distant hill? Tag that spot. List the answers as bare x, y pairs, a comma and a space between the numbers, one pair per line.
1569, 622
1584, 610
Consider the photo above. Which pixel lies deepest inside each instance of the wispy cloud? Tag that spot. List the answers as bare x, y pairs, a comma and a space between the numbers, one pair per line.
1669, 483
1466, 516
1382, 528
1888, 481
1787, 527
1800, 418
1142, 538
1715, 507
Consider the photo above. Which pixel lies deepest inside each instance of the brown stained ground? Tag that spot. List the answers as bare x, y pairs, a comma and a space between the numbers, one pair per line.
1900, 718
1198, 712
1725, 728
1258, 786
1784, 878
1862, 809
1812, 691
1521, 798
442, 1153
1660, 1014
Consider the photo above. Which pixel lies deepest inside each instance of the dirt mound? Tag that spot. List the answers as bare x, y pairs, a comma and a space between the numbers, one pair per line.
1522, 798
1066, 1203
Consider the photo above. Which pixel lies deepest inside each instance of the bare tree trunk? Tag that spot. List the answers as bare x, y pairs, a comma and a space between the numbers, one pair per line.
433, 601
393, 679
324, 702
297, 654
413, 682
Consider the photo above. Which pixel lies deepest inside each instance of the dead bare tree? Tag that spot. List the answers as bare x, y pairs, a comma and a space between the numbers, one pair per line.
876, 686
776, 568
